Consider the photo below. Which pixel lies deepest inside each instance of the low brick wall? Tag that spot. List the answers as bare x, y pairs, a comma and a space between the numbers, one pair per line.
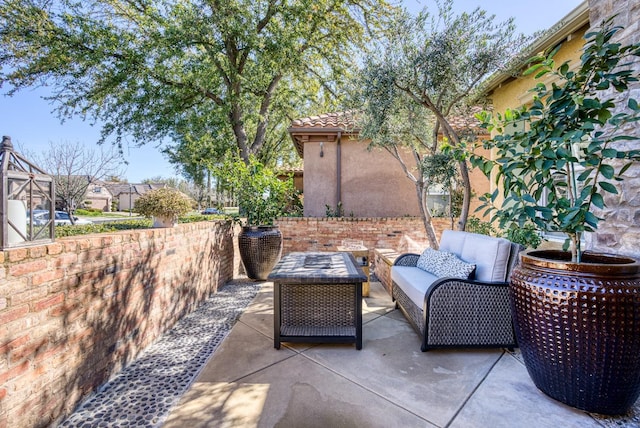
74, 312
403, 234
385, 238
383, 260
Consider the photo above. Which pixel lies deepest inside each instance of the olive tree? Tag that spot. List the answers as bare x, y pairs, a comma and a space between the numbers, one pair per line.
421, 75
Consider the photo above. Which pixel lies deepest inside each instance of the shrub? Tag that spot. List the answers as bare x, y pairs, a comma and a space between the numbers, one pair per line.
86, 229
526, 235
475, 225
165, 202
262, 196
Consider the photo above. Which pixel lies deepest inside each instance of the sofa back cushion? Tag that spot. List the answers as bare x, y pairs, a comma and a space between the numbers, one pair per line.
489, 254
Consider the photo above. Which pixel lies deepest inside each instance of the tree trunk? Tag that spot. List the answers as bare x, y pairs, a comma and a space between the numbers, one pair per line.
426, 216
466, 201
235, 116
208, 188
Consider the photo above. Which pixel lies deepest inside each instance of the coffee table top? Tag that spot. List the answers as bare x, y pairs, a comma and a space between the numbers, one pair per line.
317, 267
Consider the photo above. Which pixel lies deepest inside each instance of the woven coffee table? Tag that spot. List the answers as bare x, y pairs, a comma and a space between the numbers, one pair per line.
317, 298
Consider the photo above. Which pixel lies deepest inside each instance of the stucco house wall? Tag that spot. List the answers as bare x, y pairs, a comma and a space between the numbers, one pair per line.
372, 184
339, 167
514, 92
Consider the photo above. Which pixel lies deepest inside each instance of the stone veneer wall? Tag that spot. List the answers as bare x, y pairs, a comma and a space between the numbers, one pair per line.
620, 230
74, 312
403, 234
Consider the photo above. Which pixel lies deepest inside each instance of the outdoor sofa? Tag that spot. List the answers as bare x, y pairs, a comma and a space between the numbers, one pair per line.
458, 296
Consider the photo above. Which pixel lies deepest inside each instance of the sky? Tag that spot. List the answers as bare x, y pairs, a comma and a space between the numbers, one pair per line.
32, 124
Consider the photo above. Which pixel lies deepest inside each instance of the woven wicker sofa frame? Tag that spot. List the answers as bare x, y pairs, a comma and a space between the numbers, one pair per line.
460, 313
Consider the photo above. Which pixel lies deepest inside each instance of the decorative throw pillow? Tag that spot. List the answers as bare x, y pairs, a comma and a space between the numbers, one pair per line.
443, 264
430, 258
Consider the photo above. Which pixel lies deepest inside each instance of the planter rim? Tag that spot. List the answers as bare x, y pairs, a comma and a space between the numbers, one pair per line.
593, 262
262, 226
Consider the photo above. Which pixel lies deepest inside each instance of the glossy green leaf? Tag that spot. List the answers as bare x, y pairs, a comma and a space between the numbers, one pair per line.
608, 187
607, 171
591, 219
597, 200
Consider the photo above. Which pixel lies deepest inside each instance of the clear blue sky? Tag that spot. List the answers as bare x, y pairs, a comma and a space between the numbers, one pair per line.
29, 120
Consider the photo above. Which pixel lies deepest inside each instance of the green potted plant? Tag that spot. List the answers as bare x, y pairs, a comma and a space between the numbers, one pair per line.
165, 205
262, 198
576, 313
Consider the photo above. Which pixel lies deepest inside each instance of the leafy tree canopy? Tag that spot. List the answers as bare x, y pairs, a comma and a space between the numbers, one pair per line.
152, 69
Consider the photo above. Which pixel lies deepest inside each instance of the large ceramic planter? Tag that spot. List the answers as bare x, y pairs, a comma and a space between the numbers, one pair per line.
260, 249
578, 327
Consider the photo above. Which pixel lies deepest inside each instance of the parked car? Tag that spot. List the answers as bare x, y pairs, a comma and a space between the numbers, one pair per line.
61, 219
207, 211
37, 217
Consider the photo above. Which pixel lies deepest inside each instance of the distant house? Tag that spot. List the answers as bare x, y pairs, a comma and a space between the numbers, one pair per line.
126, 194
340, 171
98, 196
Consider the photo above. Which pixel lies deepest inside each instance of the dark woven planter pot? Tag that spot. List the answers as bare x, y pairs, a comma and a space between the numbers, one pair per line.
578, 327
260, 250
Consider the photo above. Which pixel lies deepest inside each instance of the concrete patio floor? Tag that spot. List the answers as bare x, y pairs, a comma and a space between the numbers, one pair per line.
389, 383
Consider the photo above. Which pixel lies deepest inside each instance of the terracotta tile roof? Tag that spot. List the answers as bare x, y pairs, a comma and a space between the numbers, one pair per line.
468, 122
137, 188
346, 122
293, 169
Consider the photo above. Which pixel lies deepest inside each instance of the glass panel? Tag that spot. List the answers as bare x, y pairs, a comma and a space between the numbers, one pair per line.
17, 221
41, 195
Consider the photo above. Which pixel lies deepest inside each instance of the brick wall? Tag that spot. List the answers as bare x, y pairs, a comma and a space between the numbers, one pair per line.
383, 260
403, 234
74, 312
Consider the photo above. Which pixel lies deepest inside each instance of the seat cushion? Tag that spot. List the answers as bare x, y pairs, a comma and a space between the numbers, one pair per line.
489, 254
444, 264
414, 282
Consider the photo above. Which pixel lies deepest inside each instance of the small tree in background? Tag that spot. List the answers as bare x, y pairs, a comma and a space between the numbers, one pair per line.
262, 195
165, 203
75, 167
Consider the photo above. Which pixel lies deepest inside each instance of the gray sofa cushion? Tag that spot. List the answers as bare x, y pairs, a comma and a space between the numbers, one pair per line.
413, 281
444, 264
490, 255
